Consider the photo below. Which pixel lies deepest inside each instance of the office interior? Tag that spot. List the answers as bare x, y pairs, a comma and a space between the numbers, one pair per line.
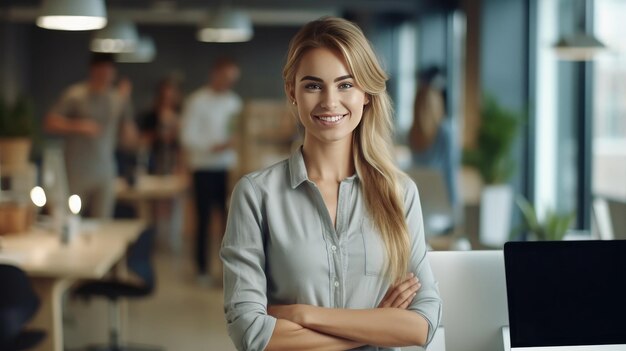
564, 161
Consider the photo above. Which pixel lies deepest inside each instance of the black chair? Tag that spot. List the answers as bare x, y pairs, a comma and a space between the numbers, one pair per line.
139, 262
18, 304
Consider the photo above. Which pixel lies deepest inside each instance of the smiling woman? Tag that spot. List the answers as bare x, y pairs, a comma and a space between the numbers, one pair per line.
330, 104
319, 246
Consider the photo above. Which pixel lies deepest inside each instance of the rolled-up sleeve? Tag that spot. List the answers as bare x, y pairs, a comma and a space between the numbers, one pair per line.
245, 285
427, 301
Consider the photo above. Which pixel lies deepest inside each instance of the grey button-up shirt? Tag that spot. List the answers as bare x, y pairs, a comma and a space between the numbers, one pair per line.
280, 247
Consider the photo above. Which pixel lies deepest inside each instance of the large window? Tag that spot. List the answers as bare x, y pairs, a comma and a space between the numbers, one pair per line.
609, 101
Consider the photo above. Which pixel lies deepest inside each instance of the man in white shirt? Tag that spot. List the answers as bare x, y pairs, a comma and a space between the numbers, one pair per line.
206, 135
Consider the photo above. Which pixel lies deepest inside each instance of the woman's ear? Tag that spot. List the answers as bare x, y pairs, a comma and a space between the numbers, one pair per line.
367, 99
291, 95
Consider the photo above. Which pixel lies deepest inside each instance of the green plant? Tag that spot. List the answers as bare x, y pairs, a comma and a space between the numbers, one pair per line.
16, 119
491, 156
553, 227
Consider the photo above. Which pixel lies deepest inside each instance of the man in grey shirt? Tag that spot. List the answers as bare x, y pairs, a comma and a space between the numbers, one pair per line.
88, 116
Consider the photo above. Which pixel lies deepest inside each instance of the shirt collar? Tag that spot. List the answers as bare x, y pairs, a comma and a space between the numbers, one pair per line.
297, 169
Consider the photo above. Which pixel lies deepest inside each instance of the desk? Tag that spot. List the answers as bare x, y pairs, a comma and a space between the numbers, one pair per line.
54, 267
149, 188
149, 193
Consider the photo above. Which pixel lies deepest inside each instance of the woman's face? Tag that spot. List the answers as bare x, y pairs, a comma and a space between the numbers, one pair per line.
330, 104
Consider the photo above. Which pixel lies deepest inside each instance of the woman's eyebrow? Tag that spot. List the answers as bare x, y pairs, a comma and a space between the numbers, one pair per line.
316, 79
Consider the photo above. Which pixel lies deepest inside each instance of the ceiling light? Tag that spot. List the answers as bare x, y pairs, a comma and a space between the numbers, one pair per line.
578, 47
226, 26
144, 52
72, 15
116, 37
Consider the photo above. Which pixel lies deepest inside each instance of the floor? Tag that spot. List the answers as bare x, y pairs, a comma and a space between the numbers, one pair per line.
182, 315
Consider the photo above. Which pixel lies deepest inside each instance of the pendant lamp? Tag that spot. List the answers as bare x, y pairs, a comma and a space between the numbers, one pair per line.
118, 36
72, 15
579, 46
144, 52
226, 26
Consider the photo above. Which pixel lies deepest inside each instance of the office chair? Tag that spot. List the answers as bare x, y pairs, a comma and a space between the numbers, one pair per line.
139, 262
18, 304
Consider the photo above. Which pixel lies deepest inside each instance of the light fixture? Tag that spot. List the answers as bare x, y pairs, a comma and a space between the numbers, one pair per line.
72, 14
74, 204
117, 36
579, 46
144, 52
38, 196
226, 26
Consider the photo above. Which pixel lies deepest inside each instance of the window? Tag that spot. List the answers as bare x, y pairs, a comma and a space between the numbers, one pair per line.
609, 101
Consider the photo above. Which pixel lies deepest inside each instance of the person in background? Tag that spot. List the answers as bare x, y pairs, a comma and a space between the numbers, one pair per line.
207, 137
93, 118
326, 250
160, 154
432, 136
160, 128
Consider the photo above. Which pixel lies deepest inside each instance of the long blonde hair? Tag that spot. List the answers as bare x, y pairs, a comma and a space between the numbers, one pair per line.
372, 145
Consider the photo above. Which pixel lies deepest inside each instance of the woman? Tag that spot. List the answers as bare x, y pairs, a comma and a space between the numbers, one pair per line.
432, 135
319, 249
161, 154
159, 128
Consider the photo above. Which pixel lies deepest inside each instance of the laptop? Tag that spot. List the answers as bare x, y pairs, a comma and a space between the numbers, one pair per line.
566, 295
473, 291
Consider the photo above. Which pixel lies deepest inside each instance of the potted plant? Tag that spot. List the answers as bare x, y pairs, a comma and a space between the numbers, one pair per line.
491, 157
553, 226
16, 138
16, 131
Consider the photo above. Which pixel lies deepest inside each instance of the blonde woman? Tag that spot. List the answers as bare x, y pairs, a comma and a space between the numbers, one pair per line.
325, 250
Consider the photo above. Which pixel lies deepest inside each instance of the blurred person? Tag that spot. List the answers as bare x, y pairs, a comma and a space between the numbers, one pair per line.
326, 249
159, 129
432, 136
94, 117
207, 136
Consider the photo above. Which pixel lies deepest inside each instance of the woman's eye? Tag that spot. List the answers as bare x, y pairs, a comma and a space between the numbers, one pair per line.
345, 85
312, 86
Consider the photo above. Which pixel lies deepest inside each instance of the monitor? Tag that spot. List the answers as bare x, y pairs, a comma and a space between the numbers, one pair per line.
473, 291
566, 294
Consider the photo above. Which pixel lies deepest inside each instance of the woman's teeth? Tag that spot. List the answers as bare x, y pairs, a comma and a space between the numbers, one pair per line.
330, 118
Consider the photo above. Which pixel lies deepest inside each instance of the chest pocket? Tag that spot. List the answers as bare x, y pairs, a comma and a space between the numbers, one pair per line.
373, 248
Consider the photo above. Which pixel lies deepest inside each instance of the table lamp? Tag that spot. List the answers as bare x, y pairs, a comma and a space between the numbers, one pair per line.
38, 197
72, 223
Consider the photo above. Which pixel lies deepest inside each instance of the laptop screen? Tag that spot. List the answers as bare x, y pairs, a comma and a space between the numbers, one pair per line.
566, 293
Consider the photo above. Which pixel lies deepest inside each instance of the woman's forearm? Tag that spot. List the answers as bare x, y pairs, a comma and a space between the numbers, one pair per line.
386, 327
288, 335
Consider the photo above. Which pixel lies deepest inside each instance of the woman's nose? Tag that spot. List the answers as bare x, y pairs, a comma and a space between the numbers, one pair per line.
329, 100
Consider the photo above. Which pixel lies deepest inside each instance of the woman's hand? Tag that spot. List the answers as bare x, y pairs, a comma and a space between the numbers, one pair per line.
401, 295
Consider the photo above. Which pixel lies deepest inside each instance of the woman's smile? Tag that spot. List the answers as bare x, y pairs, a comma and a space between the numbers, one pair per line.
330, 119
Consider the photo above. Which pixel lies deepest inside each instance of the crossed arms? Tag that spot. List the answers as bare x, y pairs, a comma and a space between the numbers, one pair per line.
306, 327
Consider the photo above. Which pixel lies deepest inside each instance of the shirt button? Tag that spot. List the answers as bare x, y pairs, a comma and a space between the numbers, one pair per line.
334, 248
336, 284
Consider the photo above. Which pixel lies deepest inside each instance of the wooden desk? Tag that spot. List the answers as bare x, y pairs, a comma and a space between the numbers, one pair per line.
53, 267
149, 188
